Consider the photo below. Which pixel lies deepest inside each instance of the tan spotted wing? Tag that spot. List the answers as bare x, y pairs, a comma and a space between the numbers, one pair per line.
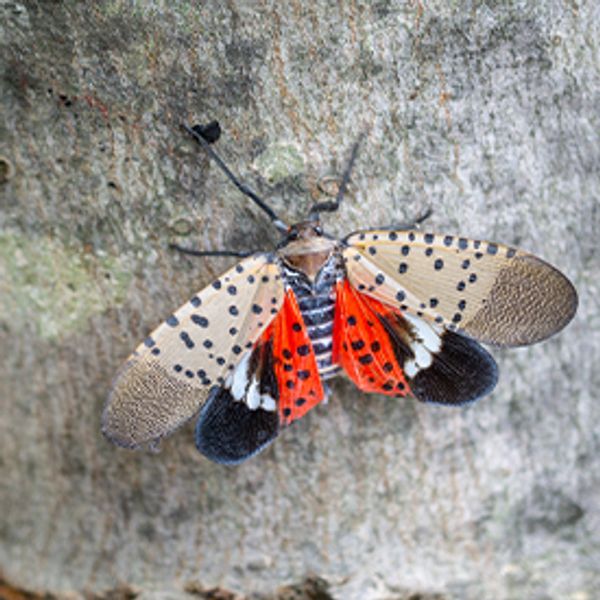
490, 292
168, 378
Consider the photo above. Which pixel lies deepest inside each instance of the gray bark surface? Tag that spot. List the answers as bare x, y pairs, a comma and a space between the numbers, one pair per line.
487, 111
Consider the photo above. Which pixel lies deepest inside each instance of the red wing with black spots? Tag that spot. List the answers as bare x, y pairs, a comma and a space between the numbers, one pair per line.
362, 346
295, 365
385, 351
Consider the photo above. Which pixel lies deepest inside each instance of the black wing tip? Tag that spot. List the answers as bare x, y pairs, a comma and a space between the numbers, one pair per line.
461, 373
228, 432
216, 454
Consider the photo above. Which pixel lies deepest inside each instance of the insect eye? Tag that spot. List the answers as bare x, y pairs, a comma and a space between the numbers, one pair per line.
318, 230
293, 234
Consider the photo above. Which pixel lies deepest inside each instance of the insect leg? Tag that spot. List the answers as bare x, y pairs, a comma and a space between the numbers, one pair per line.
420, 218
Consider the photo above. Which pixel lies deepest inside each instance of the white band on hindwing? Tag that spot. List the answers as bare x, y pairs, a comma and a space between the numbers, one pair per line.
426, 343
246, 388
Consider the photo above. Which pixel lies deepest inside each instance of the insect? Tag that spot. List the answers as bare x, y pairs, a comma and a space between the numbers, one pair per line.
399, 311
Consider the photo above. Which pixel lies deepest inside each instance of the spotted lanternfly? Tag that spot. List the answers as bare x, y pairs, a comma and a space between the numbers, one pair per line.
399, 311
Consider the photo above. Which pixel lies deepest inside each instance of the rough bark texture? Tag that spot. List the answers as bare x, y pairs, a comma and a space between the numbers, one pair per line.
486, 111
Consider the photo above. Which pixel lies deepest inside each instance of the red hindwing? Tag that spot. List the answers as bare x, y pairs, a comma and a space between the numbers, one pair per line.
295, 365
362, 344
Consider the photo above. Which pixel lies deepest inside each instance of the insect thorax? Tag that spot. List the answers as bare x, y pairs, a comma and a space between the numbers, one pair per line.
316, 300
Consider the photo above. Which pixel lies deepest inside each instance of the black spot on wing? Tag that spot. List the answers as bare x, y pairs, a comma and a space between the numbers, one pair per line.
200, 321
461, 372
186, 339
228, 432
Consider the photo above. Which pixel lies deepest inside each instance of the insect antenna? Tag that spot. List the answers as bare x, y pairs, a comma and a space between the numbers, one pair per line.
199, 137
193, 252
333, 205
413, 224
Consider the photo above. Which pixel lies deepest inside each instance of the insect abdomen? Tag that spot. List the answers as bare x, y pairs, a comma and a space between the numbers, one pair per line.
316, 302
318, 312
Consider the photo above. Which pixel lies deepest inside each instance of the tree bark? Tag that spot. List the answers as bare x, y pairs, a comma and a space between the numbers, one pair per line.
488, 112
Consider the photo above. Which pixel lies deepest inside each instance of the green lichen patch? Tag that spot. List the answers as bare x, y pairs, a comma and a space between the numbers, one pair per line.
279, 162
55, 290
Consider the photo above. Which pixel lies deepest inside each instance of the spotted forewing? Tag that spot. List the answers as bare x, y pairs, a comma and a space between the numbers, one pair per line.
493, 293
